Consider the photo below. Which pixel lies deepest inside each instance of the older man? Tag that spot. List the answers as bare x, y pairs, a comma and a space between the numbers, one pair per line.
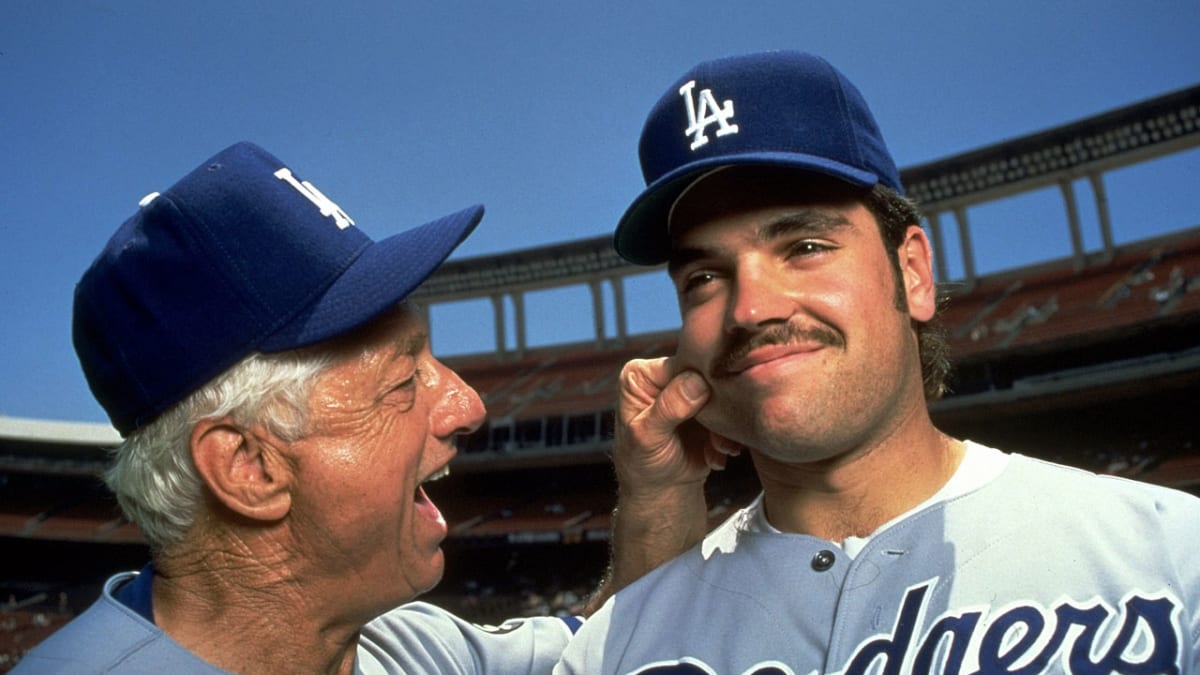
879, 543
281, 410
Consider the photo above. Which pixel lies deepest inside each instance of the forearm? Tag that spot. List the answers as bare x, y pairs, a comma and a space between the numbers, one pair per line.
647, 531
661, 460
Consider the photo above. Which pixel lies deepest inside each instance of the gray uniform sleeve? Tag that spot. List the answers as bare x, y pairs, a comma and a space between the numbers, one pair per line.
421, 638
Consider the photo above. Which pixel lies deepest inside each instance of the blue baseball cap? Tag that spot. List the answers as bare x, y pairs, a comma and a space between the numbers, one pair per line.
239, 256
782, 108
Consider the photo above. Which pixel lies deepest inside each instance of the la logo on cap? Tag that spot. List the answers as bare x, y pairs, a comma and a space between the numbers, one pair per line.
318, 198
709, 113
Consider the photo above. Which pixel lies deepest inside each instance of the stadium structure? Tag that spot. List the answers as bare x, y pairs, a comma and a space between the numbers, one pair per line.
1092, 359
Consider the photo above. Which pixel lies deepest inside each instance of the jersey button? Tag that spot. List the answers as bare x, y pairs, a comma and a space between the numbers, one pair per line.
823, 560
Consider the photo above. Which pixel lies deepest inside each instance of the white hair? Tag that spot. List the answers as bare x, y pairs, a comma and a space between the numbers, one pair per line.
153, 475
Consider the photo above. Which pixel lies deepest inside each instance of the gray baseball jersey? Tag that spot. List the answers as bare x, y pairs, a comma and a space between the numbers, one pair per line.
413, 639
421, 639
1039, 569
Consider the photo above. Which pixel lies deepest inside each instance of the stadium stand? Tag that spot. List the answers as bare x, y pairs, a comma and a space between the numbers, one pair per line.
1091, 360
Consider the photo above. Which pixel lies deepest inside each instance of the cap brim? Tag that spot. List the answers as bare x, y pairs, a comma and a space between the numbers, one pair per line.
384, 274
642, 235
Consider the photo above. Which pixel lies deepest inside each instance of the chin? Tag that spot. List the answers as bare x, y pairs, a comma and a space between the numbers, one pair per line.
739, 419
434, 576
720, 423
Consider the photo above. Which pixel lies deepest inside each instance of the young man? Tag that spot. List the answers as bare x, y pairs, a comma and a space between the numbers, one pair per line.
280, 410
879, 544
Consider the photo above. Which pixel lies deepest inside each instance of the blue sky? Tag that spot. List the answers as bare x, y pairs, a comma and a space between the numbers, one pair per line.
405, 111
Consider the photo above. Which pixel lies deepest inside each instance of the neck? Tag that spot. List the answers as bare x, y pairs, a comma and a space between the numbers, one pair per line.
249, 614
854, 493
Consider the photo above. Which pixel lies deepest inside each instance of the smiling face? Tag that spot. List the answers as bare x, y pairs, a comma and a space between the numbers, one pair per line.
790, 309
382, 420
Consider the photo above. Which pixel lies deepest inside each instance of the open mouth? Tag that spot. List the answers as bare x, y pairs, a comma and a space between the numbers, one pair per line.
436, 475
424, 503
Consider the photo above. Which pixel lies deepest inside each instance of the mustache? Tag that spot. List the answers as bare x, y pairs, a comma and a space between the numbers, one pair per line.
741, 342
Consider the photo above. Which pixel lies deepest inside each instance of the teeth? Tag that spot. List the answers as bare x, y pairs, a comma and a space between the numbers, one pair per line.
440, 473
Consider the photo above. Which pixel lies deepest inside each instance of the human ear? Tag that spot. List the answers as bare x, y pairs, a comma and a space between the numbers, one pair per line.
241, 469
916, 267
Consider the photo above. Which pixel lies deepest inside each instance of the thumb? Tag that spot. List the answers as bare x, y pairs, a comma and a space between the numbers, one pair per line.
679, 401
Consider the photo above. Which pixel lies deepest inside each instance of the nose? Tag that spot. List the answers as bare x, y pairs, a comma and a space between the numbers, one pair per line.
459, 410
758, 297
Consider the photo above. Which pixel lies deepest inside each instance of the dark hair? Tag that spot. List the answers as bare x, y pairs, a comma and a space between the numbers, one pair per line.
894, 213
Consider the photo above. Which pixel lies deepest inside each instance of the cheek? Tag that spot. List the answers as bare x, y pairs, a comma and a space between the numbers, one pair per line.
699, 338
688, 355
862, 296
384, 452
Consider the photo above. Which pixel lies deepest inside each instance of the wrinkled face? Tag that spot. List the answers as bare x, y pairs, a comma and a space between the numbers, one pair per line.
383, 420
788, 301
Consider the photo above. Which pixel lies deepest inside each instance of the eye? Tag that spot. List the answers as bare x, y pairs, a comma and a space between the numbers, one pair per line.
404, 394
412, 381
807, 247
696, 280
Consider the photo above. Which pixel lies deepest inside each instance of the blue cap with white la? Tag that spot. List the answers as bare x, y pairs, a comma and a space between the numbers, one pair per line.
782, 108
240, 255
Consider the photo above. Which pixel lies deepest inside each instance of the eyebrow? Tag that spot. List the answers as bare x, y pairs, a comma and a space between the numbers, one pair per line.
808, 221
412, 343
